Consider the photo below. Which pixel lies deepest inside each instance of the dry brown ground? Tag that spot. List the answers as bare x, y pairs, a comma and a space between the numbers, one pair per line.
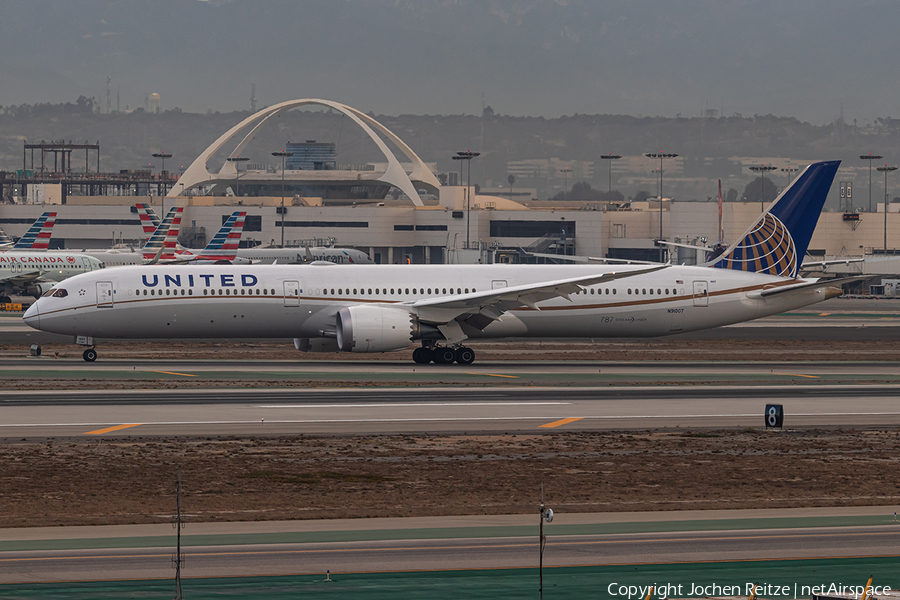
69, 482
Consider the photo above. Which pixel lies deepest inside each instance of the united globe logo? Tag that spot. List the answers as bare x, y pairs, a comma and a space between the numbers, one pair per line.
768, 248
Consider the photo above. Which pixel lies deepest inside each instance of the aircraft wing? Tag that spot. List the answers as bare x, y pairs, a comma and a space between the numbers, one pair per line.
482, 308
26, 277
594, 259
680, 245
836, 261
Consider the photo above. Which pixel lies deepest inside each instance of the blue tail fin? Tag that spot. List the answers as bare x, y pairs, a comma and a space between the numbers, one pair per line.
777, 242
38, 235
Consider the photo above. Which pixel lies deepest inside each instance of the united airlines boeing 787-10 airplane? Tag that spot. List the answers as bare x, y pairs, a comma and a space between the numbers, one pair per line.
382, 308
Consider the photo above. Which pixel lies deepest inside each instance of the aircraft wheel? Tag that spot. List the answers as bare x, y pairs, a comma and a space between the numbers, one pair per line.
90, 355
422, 356
444, 356
465, 356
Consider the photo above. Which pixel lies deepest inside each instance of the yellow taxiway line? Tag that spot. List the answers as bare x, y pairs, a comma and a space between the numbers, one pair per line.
110, 429
171, 373
561, 422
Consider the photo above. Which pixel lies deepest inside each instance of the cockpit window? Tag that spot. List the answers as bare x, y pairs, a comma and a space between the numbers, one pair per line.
48, 293
60, 293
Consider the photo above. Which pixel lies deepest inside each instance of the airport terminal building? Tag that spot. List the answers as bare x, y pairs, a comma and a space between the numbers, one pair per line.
398, 212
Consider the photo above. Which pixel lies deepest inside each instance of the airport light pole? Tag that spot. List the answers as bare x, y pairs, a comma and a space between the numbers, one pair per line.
283, 156
163, 156
885, 169
761, 169
565, 171
789, 172
870, 157
467, 156
609, 158
236, 160
661, 156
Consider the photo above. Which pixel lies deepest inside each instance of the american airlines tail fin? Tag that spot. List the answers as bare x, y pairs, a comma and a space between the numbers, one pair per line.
162, 244
224, 245
776, 243
149, 221
38, 235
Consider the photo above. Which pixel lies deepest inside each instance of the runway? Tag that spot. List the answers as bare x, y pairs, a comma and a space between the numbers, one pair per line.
368, 411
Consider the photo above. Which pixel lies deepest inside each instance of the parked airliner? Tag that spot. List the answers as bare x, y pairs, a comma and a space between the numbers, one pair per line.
289, 255
386, 307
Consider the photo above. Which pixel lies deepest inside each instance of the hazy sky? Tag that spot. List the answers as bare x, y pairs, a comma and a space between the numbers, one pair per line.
803, 58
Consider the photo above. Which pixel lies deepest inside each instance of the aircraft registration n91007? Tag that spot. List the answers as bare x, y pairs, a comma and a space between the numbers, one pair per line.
380, 308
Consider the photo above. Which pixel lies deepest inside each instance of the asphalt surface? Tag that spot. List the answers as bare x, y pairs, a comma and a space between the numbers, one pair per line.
452, 553
245, 412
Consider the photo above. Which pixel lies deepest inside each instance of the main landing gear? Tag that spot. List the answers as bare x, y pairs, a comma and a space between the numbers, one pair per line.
443, 355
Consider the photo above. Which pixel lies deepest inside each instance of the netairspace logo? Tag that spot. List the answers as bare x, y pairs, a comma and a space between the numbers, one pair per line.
664, 591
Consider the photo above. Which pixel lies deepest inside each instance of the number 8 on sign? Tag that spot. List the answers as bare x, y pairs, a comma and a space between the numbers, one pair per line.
774, 415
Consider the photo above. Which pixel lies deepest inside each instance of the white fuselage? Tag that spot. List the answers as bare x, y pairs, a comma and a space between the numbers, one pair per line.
292, 255
300, 301
25, 272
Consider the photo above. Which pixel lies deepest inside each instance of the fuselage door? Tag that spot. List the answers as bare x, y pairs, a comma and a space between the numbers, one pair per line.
292, 293
701, 293
498, 284
86, 263
104, 294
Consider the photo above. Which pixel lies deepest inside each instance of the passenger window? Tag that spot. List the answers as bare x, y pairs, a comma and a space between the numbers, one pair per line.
651, 291
658, 292
265, 292
384, 291
458, 291
376, 291
392, 291
467, 290
190, 292
444, 291
614, 291
273, 293
406, 291
354, 291
429, 290
629, 291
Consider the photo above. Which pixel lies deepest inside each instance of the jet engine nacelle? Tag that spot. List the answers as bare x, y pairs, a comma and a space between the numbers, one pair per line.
37, 290
372, 329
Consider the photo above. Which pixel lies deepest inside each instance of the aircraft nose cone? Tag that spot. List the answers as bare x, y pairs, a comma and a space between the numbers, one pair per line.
32, 316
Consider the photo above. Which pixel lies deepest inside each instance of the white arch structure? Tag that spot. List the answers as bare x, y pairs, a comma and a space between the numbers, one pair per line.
197, 174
